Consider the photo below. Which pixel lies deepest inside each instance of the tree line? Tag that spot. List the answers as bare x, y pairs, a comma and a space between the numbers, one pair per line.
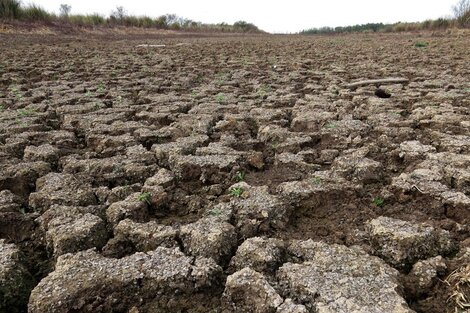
14, 10
461, 18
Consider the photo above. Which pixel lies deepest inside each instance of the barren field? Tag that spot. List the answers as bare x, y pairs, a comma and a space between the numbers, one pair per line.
236, 174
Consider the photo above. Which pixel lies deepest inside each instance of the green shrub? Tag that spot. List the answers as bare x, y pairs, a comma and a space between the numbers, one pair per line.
441, 23
10, 9
421, 44
34, 12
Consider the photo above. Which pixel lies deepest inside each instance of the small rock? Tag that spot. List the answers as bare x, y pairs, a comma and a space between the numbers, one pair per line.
63, 189
209, 237
402, 243
290, 307
70, 230
335, 278
146, 236
16, 282
262, 255
425, 274
164, 178
158, 278
131, 207
257, 211
46, 153
248, 291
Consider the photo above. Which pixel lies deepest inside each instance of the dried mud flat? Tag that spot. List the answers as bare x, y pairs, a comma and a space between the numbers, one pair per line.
233, 174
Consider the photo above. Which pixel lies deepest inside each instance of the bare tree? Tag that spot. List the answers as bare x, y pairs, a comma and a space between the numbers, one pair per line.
65, 10
120, 13
462, 12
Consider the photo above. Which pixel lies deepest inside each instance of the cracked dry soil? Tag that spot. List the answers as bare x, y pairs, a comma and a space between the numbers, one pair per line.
233, 174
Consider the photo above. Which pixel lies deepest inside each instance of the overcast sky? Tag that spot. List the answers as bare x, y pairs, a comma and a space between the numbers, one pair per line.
272, 16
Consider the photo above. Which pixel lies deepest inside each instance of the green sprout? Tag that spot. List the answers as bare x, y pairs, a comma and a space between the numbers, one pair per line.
16, 92
263, 91
2, 107
20, 122
275, 145
330, 125
25, 112
236, 192
145, 197
378, 202
101, 88
220, 98
316, 180
240, 176
215, 212
421, 44
221, 77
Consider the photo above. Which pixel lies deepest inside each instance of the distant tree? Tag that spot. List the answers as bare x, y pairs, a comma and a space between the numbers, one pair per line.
462, 13
245, 27
65, 10
119, 14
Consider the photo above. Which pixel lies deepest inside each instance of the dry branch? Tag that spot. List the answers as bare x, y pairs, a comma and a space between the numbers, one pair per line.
393, 80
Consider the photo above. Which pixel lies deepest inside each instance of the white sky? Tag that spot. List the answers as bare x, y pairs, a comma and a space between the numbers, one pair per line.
272, 16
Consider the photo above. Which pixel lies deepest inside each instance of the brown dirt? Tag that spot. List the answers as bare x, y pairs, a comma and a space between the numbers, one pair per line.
154, 95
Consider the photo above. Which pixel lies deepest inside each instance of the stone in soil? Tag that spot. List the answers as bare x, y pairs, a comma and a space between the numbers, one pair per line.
209, 237
263, 255
16, 282
248, 291
335, 278
87, 281
63, 189
257, 211
402, 243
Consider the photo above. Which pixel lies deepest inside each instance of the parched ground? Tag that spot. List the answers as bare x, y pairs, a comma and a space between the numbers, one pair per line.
234, 174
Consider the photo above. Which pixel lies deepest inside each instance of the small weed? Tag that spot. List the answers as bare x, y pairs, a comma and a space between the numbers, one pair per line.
263, 91
20, 122
118, 168
16, 92
275, 145
194, 94
378, 202
88, 94
215, 212
25, 112
220, 98
421, 44
236, 192
199, 79
221, 78
2, 107
101, 88
317, 180
240, 176
144, 197
330, 125
96, 106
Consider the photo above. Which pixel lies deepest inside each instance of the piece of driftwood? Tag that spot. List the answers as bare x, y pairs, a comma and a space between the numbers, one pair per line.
393, 80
